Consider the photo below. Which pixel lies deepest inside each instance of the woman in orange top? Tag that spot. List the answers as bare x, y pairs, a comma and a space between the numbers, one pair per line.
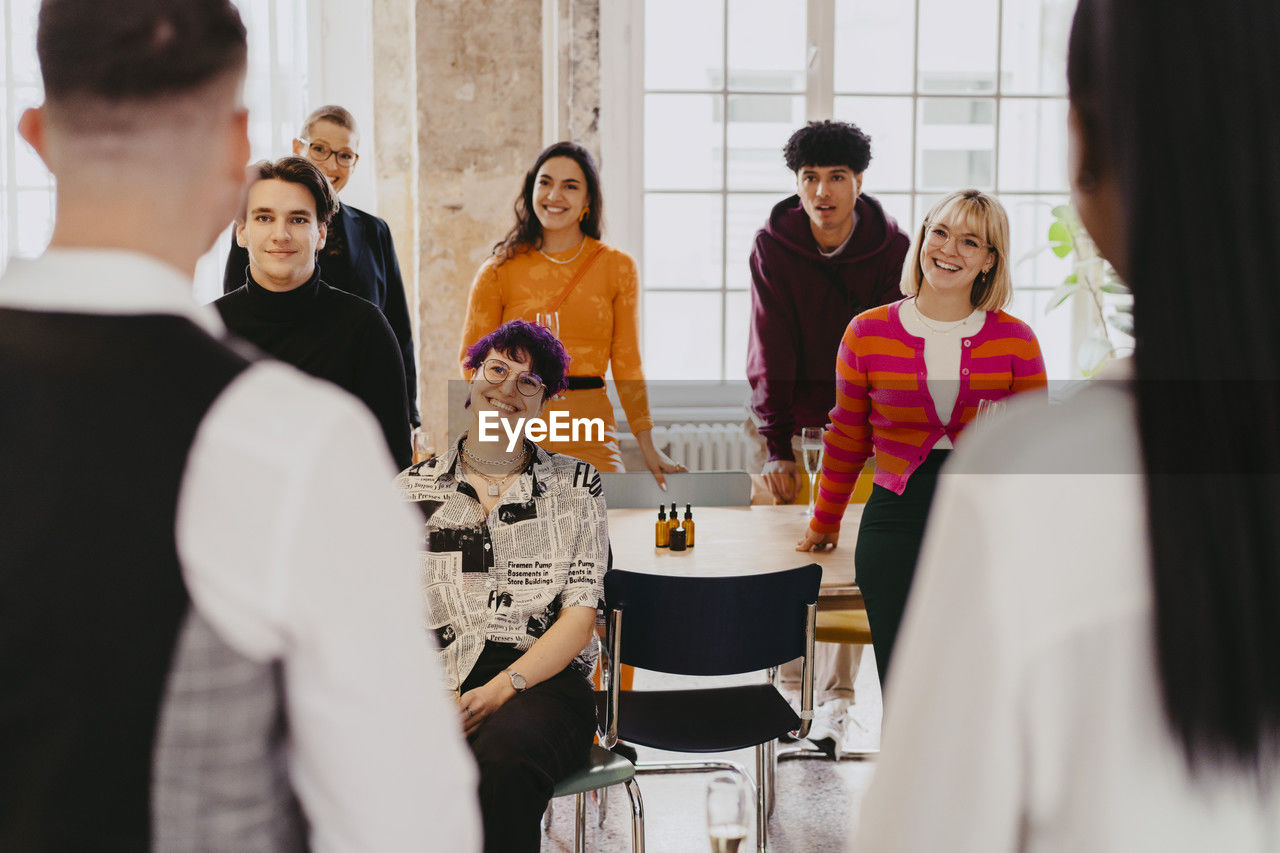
553, 260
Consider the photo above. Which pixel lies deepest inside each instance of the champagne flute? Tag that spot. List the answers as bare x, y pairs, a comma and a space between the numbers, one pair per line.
727, 808
988, 409
811, 449
550, 320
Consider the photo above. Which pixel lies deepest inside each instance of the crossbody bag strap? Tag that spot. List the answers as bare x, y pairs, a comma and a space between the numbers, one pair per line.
577, 277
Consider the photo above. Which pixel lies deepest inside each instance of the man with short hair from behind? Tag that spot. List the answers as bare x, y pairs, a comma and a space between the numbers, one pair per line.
358, 256
210, 634
287, 309
825, 255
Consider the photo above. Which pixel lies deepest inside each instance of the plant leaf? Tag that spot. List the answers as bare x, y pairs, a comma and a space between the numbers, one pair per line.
1061, 211
1093, 352
1110, 286
1062, 293
1123, 322
1060, 239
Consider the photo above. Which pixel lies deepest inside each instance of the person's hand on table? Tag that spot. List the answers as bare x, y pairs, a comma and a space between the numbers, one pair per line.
476, 705
655, 460
814, 541
782, 476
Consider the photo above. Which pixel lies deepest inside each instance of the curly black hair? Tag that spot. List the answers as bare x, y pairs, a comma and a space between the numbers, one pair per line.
828, 143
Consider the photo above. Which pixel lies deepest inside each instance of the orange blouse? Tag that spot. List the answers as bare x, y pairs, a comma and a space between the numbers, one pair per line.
599, 320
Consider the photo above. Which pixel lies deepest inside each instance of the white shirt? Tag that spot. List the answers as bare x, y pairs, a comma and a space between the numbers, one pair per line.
295, 546
1024, 711
942, 352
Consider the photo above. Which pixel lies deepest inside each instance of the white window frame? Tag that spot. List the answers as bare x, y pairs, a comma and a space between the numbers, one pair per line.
622, 132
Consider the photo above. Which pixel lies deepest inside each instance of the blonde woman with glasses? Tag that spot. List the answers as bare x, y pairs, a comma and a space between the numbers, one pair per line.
909, 376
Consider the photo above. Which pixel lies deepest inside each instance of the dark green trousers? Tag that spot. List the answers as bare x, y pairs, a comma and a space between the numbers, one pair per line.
885, 557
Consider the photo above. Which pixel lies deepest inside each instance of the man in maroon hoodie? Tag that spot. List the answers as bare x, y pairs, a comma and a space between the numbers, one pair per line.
826, 254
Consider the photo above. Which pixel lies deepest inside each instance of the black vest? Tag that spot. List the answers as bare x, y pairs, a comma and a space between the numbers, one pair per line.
97, 417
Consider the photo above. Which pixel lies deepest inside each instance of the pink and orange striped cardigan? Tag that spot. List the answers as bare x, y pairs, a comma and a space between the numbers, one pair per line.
883, 405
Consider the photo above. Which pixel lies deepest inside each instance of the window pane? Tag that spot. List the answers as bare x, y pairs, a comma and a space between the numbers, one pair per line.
682, 336
737, 317
1034, 58
682, 238
759, 126
26, 68
1033, 145
683, 142
35, 221
888, 122
898, 205
873, 46
748, 213
683, 44
956, 144
1029, 220
957, 46
766, 44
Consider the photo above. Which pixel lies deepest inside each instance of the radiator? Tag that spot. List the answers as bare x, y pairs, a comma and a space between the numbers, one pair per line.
704, 447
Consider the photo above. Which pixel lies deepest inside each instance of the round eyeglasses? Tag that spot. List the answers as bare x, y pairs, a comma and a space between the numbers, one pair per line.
496, 372
319, 152
967, 245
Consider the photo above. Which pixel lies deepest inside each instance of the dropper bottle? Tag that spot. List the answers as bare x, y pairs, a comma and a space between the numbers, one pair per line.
688, 525
662, 530
674, 522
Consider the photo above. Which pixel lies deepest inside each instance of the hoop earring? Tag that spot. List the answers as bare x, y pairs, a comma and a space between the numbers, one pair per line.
586, 211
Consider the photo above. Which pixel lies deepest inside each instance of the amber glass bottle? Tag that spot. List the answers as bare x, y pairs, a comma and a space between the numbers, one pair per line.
662, 530
688, 525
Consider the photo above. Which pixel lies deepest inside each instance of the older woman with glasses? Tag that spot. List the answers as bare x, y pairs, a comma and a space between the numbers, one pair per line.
358, 256
517, 543
909, 377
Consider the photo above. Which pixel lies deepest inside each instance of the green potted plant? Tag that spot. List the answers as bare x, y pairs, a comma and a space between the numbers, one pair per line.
1091, 279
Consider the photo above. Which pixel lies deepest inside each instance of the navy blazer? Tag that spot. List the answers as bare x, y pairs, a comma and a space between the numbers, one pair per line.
376, 273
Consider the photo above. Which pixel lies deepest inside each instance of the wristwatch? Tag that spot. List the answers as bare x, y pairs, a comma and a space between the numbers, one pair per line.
517, 680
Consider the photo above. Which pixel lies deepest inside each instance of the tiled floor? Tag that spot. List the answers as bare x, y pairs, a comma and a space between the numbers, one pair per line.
816, 799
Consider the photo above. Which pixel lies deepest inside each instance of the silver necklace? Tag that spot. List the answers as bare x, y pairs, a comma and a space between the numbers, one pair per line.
519, 457
568, 260
495, 484
951, 326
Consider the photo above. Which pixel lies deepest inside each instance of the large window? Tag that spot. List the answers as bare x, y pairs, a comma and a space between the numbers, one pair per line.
276, 92
954, 93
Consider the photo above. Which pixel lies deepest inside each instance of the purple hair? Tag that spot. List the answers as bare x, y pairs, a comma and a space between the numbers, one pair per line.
520, 339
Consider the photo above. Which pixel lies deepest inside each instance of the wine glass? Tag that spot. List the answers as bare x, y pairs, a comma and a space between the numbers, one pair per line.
811, 449
988, 409
550, 320
727, 810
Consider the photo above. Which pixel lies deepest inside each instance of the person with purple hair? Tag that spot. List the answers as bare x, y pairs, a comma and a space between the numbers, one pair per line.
516, 546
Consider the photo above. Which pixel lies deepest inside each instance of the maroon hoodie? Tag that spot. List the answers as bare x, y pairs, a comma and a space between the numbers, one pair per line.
801, 303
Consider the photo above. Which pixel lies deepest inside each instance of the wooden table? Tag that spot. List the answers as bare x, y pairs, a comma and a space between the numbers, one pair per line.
738, 541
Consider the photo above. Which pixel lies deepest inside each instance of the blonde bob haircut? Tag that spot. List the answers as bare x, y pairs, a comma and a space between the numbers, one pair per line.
981, 214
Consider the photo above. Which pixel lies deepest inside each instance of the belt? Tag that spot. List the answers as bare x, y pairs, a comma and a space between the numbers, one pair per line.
585, 383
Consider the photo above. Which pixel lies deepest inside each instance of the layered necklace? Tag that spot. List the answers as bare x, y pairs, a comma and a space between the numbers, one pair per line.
581, 244
498, 483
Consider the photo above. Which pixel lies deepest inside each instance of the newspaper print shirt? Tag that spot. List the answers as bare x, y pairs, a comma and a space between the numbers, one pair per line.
506, 577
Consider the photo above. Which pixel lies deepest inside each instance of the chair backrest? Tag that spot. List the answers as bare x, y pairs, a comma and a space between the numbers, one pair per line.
712, 626
701, 488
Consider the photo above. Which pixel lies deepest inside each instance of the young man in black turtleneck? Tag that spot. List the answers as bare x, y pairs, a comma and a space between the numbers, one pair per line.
285, 309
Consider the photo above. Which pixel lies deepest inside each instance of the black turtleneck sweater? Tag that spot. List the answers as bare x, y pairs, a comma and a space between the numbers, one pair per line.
331, 335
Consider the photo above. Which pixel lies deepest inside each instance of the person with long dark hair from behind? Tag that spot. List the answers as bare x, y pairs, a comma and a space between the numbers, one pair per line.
1089, 660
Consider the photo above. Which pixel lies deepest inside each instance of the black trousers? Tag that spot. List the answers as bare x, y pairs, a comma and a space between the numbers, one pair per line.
524, 748
888, 546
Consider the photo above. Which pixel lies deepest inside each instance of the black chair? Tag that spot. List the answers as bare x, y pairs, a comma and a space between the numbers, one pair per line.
709, 627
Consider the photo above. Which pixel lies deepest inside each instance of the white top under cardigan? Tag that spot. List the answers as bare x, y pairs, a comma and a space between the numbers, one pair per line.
942, 349
1024, 712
